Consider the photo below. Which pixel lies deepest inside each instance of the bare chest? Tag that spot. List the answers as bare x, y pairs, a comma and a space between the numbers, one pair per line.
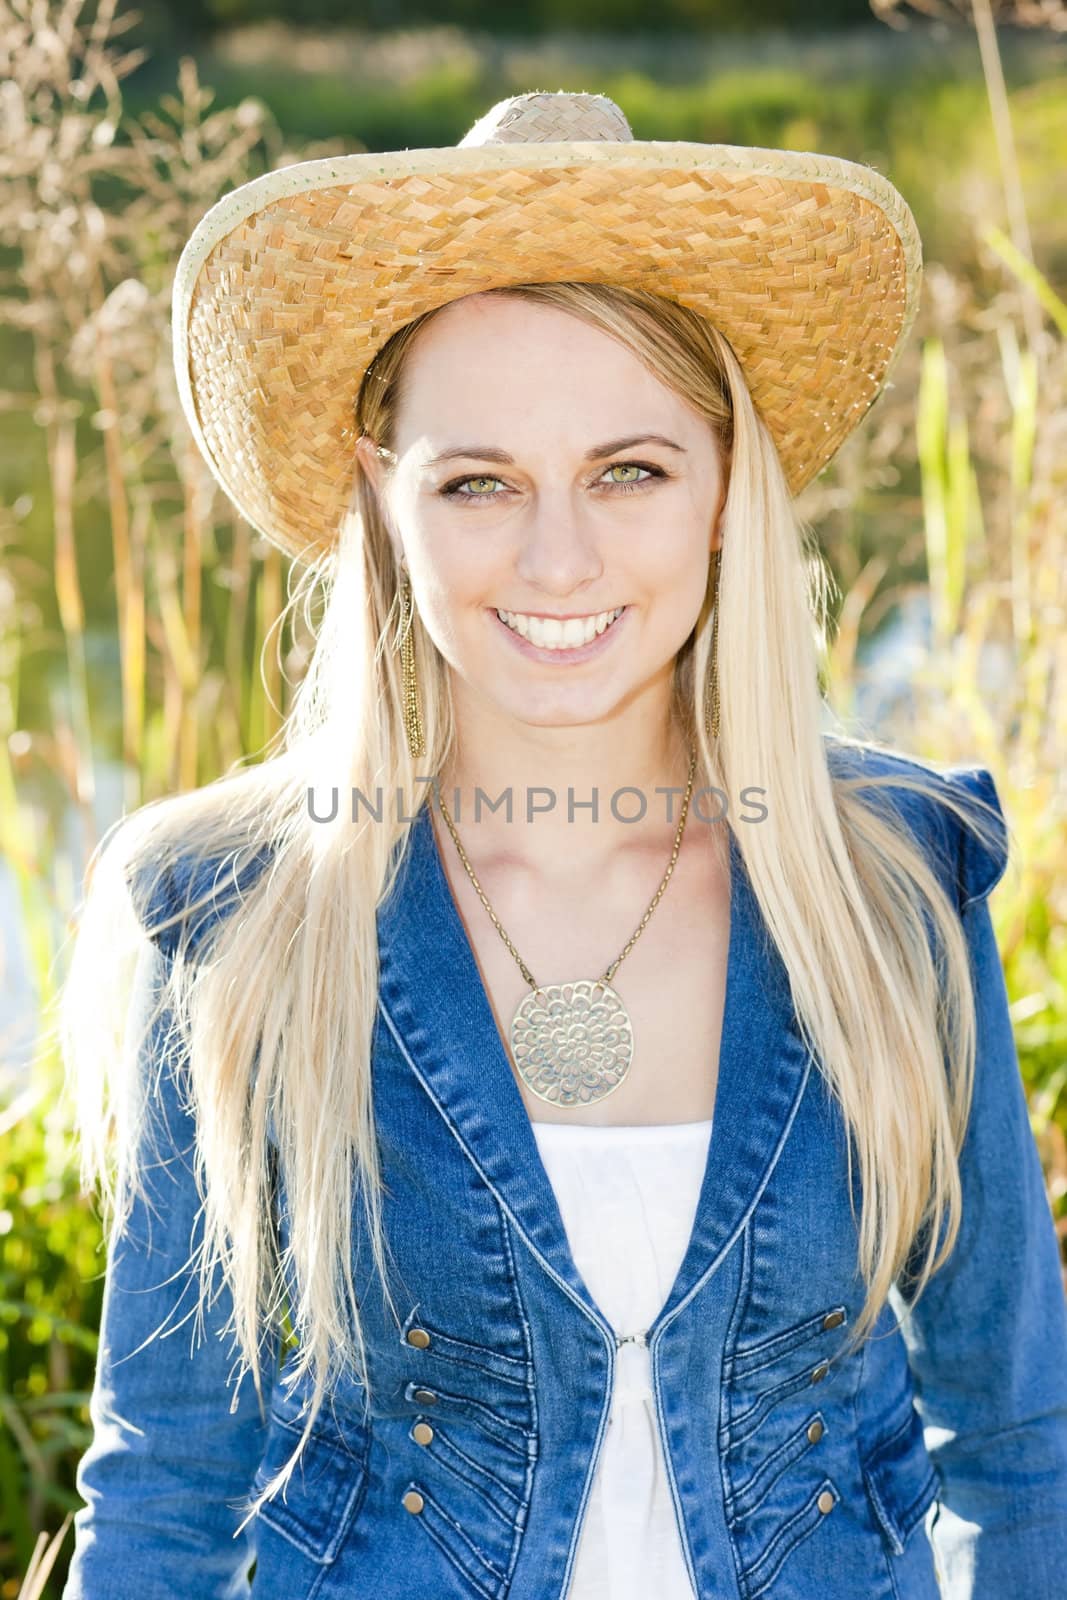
672, 982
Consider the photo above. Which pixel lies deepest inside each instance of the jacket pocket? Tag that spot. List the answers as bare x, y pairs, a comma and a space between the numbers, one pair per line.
744, 1500
316, 1508
501, 1500
747, 1423
507, 1426
474, 1564
759, 1577
747, 1360
435, 1344
901, 1481
761, 1377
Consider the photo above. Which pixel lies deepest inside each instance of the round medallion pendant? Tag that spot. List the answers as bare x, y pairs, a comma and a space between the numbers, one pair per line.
572, 1042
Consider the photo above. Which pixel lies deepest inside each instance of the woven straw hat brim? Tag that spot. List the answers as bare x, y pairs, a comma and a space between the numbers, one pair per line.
810, 265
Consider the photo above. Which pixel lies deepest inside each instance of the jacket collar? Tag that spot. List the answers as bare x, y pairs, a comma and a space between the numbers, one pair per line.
434, 1001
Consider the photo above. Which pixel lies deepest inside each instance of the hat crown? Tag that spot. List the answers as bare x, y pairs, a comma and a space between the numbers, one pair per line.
542, 116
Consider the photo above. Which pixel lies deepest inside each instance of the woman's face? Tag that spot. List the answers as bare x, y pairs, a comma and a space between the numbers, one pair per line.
543, 511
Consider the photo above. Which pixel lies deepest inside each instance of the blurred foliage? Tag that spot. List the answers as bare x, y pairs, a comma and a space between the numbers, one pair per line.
533, 17
137, 612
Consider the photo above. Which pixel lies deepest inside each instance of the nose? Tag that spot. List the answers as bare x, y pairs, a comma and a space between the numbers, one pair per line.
558, 555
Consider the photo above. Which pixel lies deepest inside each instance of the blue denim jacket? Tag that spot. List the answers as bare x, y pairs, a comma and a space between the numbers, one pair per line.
933, 1461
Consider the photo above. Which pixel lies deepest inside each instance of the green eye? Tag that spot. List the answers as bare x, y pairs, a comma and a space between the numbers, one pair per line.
459, 488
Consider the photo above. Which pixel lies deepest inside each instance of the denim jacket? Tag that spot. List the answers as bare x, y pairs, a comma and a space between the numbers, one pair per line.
931, 1462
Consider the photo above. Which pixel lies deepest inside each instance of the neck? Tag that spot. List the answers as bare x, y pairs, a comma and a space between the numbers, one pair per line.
551, 775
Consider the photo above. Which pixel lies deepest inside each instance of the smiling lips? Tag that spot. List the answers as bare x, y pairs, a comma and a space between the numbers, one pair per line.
548, 633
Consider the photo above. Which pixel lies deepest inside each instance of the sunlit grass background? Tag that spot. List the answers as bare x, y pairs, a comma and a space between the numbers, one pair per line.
138, 646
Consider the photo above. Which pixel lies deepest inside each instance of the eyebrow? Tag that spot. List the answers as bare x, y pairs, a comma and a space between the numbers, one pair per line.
482, 452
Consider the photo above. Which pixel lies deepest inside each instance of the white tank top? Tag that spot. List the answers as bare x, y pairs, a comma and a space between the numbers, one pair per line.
628, 1197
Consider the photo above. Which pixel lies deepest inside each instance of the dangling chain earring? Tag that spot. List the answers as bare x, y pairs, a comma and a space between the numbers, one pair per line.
412, 719
711, 698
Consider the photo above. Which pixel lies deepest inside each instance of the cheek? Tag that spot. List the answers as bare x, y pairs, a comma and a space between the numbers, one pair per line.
675, 584
454, 587
671, 559
454, 569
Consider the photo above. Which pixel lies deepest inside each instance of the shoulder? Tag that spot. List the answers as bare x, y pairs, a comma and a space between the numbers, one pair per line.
182, 889
972, 850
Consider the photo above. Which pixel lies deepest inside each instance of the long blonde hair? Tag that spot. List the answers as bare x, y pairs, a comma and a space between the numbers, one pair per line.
276, 1016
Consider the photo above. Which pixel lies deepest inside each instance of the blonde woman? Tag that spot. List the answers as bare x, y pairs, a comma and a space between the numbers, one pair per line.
572, 1083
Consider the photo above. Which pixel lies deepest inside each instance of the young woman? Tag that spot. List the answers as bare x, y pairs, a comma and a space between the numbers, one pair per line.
620, 1183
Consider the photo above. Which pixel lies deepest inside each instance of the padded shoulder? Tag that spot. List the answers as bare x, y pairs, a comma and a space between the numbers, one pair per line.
972, 859
181, 897
981, 863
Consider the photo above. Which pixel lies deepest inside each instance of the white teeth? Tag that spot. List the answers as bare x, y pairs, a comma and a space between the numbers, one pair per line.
549, 634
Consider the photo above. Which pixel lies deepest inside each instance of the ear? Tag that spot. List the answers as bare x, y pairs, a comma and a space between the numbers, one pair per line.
370, 462
715, 542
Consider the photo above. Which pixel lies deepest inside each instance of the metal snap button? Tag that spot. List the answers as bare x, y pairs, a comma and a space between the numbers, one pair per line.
815, 1431
425, 1397
422, 1433
833, 1319
413, 1501
825, 1501
418, 1337
820, 1372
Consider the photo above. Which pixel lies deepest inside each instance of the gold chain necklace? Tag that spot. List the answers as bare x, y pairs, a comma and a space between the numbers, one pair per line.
573, 1042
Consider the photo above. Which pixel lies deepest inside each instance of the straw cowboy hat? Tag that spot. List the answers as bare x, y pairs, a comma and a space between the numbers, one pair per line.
809, 265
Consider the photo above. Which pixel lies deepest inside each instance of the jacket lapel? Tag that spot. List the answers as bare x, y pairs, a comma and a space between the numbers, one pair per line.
433, 1000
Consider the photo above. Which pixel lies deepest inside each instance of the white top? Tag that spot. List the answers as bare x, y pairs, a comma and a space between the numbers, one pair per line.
628, 1197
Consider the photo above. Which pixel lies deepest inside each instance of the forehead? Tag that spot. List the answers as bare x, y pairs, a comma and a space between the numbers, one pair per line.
485, 360
482, 329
